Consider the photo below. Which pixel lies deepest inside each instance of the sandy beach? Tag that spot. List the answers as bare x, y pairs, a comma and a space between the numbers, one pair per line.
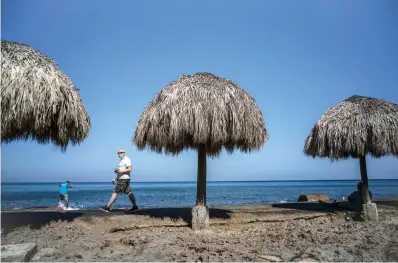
289, 232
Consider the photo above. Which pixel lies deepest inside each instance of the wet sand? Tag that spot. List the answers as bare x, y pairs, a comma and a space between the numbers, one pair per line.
290, 231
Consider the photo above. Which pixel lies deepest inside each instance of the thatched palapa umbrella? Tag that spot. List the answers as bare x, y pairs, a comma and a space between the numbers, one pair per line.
202, 112
38, 101
354, 128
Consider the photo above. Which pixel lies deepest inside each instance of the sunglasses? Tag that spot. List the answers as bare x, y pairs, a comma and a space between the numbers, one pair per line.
120, 152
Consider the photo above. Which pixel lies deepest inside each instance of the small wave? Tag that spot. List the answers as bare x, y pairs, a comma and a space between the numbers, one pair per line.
72, 206
283, 201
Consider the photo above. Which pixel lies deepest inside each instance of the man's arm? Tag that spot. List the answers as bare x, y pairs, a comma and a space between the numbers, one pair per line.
124, 171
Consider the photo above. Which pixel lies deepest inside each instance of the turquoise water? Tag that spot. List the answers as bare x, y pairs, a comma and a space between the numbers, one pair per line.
178, 194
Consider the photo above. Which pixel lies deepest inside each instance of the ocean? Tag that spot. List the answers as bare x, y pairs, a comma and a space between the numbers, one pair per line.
179, 194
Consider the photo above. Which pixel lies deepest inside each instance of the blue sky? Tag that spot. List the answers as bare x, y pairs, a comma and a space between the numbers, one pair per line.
296, 58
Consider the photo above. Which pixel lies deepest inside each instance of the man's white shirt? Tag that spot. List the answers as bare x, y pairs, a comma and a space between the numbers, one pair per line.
123, 164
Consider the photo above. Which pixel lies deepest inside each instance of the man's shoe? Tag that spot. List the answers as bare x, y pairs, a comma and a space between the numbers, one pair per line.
105, 208
134, 208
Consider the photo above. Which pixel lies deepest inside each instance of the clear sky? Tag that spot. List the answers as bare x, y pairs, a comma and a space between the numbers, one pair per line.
296, 58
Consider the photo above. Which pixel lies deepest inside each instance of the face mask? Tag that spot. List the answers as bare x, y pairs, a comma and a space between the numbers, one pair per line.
120, 155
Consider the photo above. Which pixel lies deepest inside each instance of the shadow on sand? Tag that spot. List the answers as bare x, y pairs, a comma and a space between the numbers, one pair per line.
390, 203
35, 220
180, 213
324, 207
316, 207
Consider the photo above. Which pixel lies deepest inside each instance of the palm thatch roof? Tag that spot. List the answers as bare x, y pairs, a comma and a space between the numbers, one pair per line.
38, 101
201, 109
355, 127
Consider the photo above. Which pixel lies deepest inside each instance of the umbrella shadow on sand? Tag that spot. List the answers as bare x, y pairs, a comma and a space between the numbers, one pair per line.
316, 207
179, 213
391, 203
35, 220
322, 207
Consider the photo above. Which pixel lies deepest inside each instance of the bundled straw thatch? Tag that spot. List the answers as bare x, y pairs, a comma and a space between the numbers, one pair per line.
355, 127
38, 101
201, 109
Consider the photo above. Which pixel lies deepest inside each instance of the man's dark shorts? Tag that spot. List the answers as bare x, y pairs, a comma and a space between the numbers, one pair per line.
63, 197
122, 187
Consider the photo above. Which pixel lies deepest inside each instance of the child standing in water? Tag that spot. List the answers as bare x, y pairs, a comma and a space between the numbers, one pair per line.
63, 194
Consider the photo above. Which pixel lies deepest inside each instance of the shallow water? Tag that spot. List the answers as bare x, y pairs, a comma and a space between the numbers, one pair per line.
178, 194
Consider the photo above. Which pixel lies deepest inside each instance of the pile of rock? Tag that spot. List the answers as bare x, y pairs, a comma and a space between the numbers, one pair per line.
313, 198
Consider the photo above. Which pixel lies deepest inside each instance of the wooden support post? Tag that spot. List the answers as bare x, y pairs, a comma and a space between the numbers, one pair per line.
369, 209
201, 180
364, 179
200, 212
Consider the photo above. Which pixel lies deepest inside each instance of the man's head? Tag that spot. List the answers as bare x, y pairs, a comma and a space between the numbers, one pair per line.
68, 182
121, 153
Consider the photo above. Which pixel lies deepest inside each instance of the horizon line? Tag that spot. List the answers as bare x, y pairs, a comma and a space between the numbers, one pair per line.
213, 181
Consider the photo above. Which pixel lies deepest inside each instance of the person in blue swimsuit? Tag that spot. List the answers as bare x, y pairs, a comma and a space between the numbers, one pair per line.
63, 194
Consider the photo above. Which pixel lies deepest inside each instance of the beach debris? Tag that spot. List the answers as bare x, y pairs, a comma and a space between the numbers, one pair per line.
45, 252
299, 255
307, 260
204, 258
129, 228
312, 197
78, 256
271, 258
105, 244
48, 251
129, 242
18, 252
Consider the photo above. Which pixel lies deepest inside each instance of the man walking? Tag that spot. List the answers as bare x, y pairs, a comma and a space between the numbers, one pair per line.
63, 194
122, 181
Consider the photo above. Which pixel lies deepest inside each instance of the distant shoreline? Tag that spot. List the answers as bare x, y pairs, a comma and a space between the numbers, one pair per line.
236, 181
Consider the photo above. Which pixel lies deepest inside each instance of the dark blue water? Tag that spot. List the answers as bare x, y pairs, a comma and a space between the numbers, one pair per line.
92, 195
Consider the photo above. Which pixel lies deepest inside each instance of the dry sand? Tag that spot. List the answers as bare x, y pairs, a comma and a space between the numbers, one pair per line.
246, 233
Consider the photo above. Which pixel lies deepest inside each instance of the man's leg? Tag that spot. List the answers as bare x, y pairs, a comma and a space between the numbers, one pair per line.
61, 200
132, 199
128, 191
112, 200
66, 201
115, 193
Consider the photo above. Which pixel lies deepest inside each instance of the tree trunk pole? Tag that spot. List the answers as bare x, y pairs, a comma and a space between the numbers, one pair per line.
369, 209
200, 212
364, 179
201, 180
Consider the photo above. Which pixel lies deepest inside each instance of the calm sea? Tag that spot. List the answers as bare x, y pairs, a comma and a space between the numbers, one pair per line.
92, 195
